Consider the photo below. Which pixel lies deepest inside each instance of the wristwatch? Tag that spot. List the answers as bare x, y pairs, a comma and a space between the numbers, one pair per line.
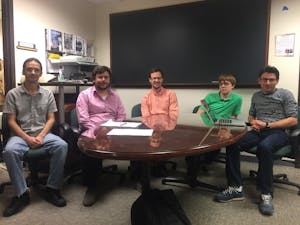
267, 125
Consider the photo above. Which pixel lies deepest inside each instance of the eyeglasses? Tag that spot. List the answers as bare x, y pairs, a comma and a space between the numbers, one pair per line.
225, 83
35, 70
265, 80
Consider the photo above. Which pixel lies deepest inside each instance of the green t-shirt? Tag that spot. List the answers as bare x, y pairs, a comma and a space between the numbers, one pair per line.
221, 108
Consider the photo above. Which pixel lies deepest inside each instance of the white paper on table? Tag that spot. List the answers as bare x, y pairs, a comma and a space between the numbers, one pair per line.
131, 132
111, 123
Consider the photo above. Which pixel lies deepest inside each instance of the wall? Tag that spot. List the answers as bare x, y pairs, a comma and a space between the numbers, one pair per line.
31, 17
281, 22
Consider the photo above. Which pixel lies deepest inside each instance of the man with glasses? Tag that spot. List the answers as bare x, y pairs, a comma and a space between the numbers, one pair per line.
223, 104
30, 110
272, 111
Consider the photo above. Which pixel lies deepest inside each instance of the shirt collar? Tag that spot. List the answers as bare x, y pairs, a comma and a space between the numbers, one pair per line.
109, 91
161, 92
24, 89
227, 99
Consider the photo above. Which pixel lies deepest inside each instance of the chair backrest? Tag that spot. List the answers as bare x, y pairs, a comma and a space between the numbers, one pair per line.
5, 129
73, 118
196, 108
136, 110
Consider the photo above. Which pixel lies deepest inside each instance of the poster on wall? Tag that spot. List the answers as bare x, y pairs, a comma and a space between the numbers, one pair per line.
54, 40
69, 42
284, 45
80, 46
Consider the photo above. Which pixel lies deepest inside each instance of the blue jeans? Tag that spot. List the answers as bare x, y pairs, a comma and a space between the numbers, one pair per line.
13, 154
267, 141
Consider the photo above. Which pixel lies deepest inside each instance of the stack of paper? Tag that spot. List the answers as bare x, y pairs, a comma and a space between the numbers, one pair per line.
111, 123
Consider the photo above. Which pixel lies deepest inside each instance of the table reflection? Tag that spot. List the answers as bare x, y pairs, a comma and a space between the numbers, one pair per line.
159, 124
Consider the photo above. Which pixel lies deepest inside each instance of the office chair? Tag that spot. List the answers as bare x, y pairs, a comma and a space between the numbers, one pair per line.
70, 133
195, 109
35, 158
159, 168
291, 151
194, 164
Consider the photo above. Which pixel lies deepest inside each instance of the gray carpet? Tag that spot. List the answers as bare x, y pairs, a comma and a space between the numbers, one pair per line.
113, 205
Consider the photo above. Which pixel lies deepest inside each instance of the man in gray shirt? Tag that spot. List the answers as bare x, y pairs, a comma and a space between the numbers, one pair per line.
30, 110
272, 111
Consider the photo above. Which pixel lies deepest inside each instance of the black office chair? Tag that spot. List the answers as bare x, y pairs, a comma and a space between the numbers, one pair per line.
158, 168
70, 133
291, 151
195, 109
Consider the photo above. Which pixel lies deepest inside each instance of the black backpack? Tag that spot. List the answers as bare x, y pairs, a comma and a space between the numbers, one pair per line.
158, 207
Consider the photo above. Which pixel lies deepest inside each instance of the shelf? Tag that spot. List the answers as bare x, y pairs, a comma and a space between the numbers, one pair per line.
59, 62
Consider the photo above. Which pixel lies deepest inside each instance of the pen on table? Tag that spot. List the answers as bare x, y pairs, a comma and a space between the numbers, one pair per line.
122, 124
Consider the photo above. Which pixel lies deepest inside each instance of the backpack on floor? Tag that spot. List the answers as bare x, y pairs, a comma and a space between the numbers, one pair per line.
158, 207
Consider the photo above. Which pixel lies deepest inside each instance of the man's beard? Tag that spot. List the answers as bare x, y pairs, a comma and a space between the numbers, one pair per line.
101, 87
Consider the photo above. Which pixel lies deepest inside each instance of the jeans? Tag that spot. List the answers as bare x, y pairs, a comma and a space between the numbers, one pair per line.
13, 154
267, 141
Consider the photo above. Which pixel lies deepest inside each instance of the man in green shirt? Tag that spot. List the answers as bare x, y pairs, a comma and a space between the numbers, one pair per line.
223, 104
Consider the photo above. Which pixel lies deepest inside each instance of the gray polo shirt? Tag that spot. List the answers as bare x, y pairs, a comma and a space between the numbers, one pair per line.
273, 107
31, 111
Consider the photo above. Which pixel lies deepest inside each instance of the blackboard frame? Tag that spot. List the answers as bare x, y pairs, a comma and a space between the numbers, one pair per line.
125, 64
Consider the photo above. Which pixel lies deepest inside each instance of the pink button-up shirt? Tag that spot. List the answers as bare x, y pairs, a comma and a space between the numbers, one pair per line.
93, 110
164, 102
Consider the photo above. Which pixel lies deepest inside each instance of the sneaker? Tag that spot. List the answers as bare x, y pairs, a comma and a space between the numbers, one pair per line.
17, 204
53, 196
90, 196
230, 194
266, 205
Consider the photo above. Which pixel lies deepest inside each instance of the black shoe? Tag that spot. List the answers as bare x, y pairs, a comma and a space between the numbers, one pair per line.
53, 196
17, 204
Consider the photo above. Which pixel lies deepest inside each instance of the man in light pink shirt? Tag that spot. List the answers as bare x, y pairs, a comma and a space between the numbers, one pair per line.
95, 106
159, 100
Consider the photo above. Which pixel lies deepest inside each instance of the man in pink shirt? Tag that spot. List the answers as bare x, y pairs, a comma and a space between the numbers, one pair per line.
95, 106
159, 100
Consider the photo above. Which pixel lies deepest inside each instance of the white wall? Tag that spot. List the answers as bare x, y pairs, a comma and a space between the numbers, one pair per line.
281, 23
78, 17
32, 17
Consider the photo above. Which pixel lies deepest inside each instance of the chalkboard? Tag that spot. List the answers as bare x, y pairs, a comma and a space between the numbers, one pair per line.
192, 43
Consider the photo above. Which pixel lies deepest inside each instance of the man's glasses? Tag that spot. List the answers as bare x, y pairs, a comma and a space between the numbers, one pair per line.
225, 83
271, 80
35, 70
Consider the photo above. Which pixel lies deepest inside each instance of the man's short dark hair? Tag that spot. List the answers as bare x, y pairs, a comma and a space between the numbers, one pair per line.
100, 70
270, 69
154, 70
29, 60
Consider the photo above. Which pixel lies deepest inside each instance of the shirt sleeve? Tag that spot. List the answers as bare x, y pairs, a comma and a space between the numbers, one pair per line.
144, 106
121, 115
82, 112
237, 110
173, 108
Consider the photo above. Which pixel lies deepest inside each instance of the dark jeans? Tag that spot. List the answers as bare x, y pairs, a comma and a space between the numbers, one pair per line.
267, 142
91, 170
